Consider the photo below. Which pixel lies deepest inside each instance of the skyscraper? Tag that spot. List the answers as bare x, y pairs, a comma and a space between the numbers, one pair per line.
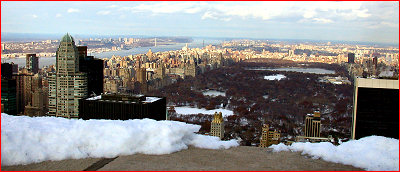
313, 125
32, 63
8, 96
350, 57
67, 85
93, 68
376, 108
217, 126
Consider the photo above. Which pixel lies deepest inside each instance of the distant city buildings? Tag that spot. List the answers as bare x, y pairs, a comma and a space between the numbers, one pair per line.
67, 85
269, 136
217, 126
376, 108
123, 107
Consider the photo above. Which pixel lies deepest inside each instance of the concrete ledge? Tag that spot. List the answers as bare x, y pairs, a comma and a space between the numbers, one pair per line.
239, 159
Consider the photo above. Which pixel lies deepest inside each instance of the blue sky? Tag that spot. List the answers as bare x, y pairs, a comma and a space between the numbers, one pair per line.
348, 21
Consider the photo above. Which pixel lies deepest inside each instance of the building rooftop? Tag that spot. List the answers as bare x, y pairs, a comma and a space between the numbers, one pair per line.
67, 38
237, 158
125, 98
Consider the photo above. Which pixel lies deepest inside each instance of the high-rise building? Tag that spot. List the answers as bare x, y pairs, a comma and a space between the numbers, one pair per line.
142, 79
350, 57
217, 126
93, 68
67, 85
376, 108
23, 90
269, 136
8, 96
313, 125
37, 106
32, 63
6, 70
122, 107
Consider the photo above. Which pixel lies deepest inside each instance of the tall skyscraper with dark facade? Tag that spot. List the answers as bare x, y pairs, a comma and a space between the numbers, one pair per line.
8, 96
93, 67
8, 90
67, 85
6, 70
376, 108
351, 58
32, 63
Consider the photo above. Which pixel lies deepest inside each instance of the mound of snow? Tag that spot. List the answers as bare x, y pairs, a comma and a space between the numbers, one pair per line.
275, 77
27, 140
185, 110
373, 153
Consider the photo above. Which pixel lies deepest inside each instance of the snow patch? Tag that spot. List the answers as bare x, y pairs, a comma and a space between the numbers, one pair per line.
213, 93
275, 77
94, 98
373, 153
151, 99
186, 110
26, 140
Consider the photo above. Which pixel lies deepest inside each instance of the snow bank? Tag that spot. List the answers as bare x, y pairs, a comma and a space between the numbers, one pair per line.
27, 140
185, 110
275, 77
373, 153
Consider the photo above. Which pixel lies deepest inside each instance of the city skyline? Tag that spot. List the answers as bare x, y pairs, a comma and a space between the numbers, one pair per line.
342, 21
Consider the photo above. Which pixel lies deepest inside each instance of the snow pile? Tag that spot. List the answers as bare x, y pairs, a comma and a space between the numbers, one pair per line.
214, 93
386, 73
275, 77
373, 153
27, 140
185, 110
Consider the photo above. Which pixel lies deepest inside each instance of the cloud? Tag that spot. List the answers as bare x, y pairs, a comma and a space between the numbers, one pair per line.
34, 16
73, 10
319, 12
58, 15
214, 16
167, 8
103, 12
322, 20
112, 6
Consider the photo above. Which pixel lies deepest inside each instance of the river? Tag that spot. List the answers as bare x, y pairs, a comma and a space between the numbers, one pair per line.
46, 61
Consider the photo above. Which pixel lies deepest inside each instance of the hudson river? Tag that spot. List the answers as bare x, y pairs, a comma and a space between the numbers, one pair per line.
46, 61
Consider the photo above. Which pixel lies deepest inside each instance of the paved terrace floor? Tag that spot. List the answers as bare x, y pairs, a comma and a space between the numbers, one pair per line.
234, 159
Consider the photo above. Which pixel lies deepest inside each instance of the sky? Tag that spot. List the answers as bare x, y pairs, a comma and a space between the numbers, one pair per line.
346, 21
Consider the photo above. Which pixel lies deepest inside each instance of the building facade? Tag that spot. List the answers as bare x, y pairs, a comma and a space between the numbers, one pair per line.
312, 126
93, 68
123, 107
32, 63
376, 108
67, 85
217, 126
8, 96
269, 136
